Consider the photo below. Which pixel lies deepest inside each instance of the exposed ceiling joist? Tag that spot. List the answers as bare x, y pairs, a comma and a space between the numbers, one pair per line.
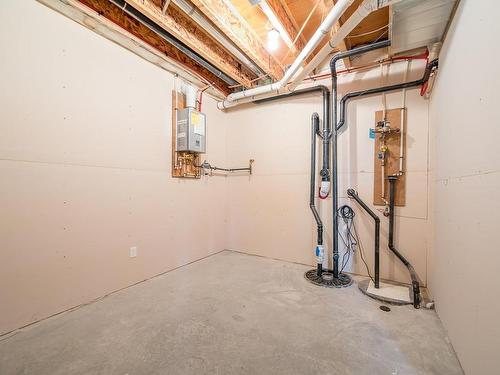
285, 17
164, 8
120, 18
240, 34
91, 19
181, 27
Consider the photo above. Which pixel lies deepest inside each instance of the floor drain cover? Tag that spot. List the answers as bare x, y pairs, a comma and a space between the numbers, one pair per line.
327, 279
385, 308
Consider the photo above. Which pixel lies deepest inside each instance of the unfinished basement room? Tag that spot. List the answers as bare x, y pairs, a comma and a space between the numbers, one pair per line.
240, 187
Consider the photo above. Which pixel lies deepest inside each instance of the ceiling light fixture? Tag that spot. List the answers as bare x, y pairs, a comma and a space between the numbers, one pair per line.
276, 23
273, 40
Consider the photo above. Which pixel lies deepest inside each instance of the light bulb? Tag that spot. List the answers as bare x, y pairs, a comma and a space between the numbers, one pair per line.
273, 37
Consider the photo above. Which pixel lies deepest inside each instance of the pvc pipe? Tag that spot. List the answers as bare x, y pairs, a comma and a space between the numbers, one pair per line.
366, 7
335, 203
190, 92
333, 16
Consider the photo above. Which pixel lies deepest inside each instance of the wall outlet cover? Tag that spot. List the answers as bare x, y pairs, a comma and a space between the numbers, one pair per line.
133, 251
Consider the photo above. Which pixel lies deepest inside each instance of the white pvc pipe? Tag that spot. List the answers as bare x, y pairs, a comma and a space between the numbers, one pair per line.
333, 16
364, 9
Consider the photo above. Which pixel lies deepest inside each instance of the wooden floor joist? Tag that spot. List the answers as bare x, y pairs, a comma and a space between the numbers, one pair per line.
185, 30
120, 18
240, 34
284, 15
92, 20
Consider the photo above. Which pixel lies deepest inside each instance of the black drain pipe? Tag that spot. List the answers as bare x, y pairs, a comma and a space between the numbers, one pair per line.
379, 90
312, 191
392, 179
414, 278
354, 195
169, 38
325, 134
335, 198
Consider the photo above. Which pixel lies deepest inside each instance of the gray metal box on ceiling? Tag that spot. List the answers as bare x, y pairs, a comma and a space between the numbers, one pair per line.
191, 130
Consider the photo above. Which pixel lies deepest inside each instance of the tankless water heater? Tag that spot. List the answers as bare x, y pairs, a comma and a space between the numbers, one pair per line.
191, 130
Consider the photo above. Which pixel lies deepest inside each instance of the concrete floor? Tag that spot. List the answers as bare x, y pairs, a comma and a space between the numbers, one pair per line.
233, 314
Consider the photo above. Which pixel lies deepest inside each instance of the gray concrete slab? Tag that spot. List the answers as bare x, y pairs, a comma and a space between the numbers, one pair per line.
233, 314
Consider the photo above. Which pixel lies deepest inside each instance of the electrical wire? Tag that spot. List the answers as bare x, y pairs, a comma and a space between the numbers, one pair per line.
347, 214
351, 239
368, 32
361, 252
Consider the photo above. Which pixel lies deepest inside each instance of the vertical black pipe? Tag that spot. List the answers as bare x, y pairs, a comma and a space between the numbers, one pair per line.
325, 170
312, 189
335, 192
413, 274
335, 197
353, 194
326, 150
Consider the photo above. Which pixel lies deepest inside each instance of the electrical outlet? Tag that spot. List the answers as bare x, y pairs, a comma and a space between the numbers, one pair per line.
133, 251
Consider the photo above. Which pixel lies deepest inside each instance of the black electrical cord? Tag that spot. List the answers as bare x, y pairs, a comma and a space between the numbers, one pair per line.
352, 239
347, 214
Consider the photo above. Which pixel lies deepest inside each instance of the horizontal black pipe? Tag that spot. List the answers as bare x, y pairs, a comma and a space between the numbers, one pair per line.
326, 134
326, 149
335, 198
414, 278
356, 51
378, 90
169, 38
354, 195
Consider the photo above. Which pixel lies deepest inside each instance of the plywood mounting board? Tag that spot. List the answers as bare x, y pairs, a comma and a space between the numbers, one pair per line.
394, 117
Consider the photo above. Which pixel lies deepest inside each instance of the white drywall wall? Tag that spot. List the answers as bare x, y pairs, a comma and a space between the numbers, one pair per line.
85, 153
268, 213
465, 119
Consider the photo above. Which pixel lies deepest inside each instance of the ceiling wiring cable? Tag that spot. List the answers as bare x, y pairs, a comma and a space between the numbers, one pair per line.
368, 32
